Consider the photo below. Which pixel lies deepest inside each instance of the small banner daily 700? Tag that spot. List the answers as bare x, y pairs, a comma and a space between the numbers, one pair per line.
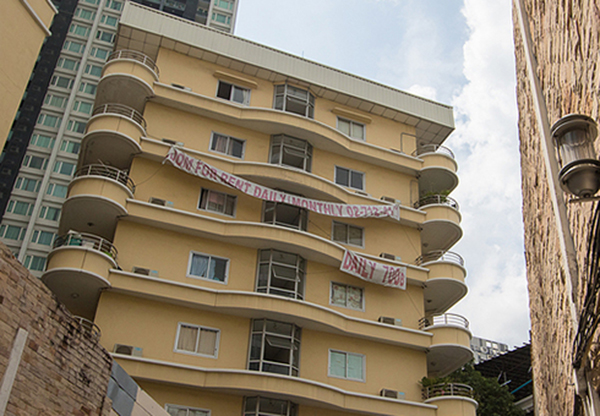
199, 168
374, 272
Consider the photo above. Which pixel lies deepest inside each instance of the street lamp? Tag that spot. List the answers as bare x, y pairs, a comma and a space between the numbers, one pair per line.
574, 137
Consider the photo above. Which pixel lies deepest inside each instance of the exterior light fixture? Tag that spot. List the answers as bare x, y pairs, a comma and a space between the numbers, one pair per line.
574, 137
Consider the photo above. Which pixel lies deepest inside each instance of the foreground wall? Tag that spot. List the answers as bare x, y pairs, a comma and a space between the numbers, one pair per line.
565, 43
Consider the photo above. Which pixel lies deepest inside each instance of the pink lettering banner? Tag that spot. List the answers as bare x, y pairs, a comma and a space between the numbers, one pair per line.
372, 271
199, 168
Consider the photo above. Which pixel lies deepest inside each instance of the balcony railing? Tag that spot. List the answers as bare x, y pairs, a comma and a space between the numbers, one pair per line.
447, 389
445, 319
136, 56
439, 255
120, 176
89, 327
437, 199
433, 148
94, 242
121, 110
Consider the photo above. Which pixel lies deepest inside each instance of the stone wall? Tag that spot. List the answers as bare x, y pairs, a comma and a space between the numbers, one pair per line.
63, 369
565, 41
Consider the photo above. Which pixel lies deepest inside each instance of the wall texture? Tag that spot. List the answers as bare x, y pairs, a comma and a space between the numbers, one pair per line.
565, 41
63, 369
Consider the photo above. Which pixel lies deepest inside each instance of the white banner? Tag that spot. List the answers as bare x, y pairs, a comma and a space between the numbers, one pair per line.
372, 271
199, 168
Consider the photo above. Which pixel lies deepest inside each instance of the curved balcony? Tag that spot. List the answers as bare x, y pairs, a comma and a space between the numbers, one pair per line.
97, 198
441, 229
127, 78
438, 173
450, 346
113, 135
445, 284
78, 269
452, 399
89, 327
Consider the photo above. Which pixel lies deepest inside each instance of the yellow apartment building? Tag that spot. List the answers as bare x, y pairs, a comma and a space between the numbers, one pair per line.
259, 234
24, 24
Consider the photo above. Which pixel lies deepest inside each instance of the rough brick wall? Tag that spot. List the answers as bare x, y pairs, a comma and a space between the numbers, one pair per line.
63, 370
565, 41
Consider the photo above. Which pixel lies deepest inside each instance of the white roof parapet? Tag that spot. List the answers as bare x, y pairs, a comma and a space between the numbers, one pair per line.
433, 121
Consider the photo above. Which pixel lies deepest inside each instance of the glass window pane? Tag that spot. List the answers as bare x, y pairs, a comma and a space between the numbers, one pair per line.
337, 364
342, 176
338, 294
208, 342
355, 366
187, 338
355, 236
218, 268
199, 265
356, 180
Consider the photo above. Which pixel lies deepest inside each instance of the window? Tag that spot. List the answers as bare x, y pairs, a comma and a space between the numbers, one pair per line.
351, 128
87, 88
347, 234
109, 20
64, 168
35, 162
70, 146
49, 120
281, 273
19, 207
208, 267
105, 36
79, 30
35, 263
45, 238
49, 213
197, 340
290, 151
68, 64
12, 232
294, 100
227, 145
73, 46
42, 140
99, 53
61, 82
346, 365
347, 296
83, 107
59, 191
285, 215
350, 178
224, 4
115, 5
275, 347
258, 406
233, 93
27, 184
221, 18
94, 70
55, 101
76, 126
218, 202
175, 410
85, 14
92, 1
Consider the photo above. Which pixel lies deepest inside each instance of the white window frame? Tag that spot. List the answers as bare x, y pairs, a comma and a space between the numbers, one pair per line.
351, 123
210, 256
350, 171
209, 191
348, 226
229, 140
233, 88
362, 291
199, 327
178, 407
364, 365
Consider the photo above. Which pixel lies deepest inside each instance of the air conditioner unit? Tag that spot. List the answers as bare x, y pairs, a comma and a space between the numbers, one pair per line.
392, 394
390, 199
173, 142
390, 321
159, 201
144, 271
181, 87
389, 256
127, 350
362, 193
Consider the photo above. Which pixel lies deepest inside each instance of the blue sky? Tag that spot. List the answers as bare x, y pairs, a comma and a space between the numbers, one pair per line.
458, 52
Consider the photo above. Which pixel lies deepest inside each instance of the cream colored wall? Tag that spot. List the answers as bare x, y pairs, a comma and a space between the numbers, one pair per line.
21, 38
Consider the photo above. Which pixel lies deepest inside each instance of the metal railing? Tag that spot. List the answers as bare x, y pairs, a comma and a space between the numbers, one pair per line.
433, 148
136, 56
436, 199
94, 242
121, 110
120, 176
445, 319
89, 327
440, 255
447, 389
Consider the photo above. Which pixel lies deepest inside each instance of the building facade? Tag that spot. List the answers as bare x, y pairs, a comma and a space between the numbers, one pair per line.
41, 152
556, 46
486, 349
257, 234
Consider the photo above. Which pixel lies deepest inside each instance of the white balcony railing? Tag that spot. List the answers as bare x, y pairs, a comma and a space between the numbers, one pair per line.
440, 255
120, 176
445, 319
447, 390
91, 241
136, 56
121, 110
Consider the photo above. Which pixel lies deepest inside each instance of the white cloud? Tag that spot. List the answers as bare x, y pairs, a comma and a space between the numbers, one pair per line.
423, 91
